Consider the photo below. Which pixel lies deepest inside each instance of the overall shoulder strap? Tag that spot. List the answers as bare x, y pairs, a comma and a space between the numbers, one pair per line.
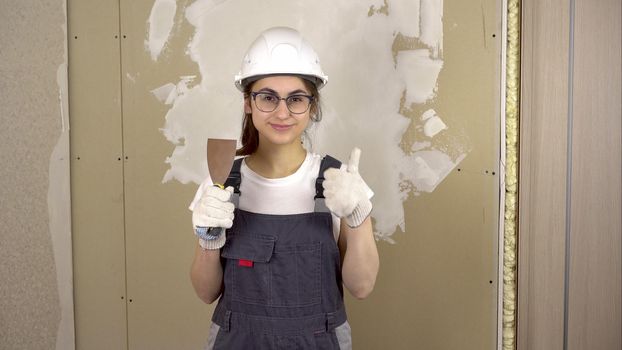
235, 179
327, 162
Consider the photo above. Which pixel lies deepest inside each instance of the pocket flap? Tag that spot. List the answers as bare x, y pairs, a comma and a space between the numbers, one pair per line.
247, 247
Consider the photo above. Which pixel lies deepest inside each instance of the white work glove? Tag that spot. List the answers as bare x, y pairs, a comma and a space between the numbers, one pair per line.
345, 192
212, 214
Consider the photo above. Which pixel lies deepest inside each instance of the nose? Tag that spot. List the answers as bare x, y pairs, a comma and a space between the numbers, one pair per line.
282, 111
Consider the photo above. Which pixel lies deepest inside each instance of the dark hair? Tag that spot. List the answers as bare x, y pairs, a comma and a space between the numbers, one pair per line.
250, 135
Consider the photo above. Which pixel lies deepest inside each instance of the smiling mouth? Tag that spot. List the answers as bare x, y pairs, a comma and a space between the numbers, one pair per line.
279, 127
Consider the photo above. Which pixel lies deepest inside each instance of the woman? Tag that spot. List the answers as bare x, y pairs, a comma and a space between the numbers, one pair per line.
300, 228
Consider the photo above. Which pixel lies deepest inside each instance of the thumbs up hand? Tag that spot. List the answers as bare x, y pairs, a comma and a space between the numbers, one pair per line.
345, 192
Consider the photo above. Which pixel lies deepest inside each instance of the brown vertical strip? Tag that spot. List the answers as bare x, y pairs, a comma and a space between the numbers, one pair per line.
594, 299
542, 191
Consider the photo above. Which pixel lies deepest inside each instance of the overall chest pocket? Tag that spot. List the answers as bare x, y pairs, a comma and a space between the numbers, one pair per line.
260, 271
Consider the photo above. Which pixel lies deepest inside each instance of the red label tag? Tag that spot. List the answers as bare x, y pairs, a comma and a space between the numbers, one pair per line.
245, 263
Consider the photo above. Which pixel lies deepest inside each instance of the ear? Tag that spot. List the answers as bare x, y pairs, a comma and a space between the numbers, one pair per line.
247, 105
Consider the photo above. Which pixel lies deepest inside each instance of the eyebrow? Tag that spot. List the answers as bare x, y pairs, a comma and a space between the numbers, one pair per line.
295, 92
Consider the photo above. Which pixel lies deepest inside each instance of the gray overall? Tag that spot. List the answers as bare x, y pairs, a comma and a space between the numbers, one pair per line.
282, 280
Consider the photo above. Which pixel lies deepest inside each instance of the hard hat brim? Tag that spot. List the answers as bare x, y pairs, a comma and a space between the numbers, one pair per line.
241, 83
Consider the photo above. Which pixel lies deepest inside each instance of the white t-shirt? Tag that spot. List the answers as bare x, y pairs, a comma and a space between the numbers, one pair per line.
292, 194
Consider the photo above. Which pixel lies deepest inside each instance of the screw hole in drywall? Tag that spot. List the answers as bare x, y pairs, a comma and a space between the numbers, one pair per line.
490, 282
119, 158
494, 35
124, 36
75, 37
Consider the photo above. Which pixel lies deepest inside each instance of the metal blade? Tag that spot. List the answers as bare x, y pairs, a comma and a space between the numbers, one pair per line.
220, 155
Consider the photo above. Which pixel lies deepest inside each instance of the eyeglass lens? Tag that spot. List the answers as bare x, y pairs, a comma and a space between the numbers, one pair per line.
296, 104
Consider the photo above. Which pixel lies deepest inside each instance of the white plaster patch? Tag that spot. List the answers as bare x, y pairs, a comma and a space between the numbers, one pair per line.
169, 92
199, 9
161, 22
130, 77
406, 16
439, 163
361, 100
432, 25
166, 93
433, 123
419, 145
428, 114
429, 168
420, 72
59, 207
375, 4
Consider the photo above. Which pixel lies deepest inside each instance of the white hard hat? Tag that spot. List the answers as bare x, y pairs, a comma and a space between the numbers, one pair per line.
280, 50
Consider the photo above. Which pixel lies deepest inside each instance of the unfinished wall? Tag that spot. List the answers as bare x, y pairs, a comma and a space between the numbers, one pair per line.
415, 84
36, 307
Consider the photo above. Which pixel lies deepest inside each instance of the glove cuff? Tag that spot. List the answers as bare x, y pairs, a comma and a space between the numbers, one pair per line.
212, 244
360, 213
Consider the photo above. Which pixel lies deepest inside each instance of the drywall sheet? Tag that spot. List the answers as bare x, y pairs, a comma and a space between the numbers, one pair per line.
414, 84
36, 303
97, 175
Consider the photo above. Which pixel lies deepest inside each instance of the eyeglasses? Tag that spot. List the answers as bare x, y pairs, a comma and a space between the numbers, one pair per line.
267, 102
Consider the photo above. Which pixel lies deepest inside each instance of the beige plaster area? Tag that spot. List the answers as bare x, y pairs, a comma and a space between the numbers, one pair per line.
32, 53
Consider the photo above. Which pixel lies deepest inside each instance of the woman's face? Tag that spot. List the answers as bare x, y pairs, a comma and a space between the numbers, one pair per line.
279, 127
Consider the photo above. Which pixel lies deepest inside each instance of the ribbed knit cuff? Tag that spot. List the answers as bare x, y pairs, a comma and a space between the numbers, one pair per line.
360, 213
213, 244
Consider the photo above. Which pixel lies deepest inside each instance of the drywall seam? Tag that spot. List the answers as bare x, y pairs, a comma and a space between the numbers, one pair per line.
510, 167
59, 208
